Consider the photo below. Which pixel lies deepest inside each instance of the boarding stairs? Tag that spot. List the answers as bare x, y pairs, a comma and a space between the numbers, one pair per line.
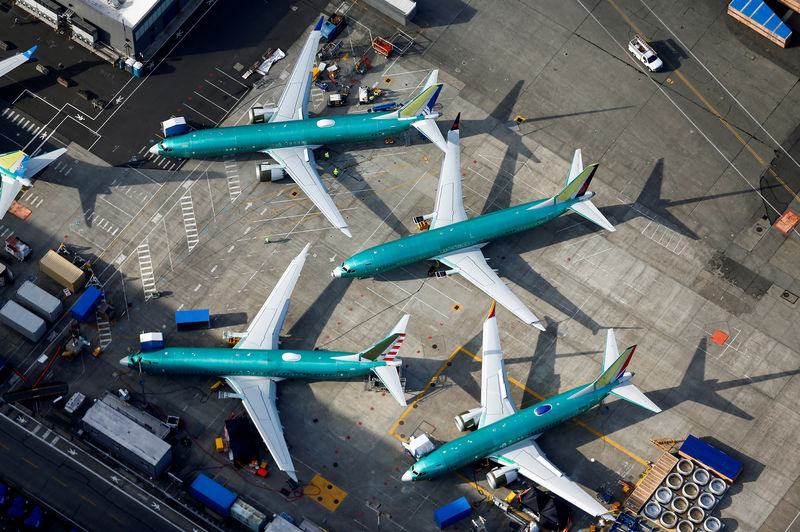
146, 270
650, 483
103, 325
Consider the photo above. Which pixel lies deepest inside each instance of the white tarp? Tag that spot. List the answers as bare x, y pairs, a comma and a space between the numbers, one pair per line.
264, 67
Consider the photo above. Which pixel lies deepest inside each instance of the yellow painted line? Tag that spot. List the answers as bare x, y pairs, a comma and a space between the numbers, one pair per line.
59, 481
87, 499
30, 463
516, 383
710, 107
4, 446
424, 390
117, 519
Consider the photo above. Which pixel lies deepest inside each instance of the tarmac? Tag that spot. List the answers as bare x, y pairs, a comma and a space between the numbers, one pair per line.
696, 164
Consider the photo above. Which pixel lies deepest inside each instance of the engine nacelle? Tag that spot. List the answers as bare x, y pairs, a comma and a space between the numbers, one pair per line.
259, 115
269, 172
469, 419
501, 476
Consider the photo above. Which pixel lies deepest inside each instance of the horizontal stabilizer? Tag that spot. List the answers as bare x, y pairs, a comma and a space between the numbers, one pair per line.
588, 210
389, 377
39, 163
631, 393
431, 131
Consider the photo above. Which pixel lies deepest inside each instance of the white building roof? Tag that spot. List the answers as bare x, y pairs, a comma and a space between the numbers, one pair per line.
130, 12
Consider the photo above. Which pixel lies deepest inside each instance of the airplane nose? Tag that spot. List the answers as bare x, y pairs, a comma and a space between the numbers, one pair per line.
124, 361
406, 476
154, 149
337, 272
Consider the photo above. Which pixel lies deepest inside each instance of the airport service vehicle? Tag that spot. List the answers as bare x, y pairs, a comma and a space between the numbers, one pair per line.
17, 248
507, 436
456, 241
645, 53
255, 365
289, 136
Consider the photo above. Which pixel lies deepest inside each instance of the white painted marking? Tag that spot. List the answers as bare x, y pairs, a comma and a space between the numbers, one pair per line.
196, 288
231, 248
214, 269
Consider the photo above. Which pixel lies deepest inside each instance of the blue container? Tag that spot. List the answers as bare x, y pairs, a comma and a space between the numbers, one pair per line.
213, 495
711, 458
35, 520
17, 508
192, 319
151, 341
87, 304
452, 513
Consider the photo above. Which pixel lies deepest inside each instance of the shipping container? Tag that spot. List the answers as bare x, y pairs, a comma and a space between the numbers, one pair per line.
87, 304
151, 341
133, 443
39, 301
249, 516
62, 271
452, 513
213, 495
23, 321
192, 319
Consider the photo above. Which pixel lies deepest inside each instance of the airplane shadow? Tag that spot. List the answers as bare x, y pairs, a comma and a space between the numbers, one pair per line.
316, 316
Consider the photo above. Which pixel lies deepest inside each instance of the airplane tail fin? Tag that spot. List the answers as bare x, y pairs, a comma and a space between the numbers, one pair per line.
423, 102
577, 187
386, 350
614, 366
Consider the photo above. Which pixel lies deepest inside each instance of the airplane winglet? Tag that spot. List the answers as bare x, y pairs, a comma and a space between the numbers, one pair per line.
319, 24
455, 124
492, 310
29, 53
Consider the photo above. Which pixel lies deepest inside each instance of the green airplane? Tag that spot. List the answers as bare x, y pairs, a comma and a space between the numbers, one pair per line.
254, 366
456, 241
506, 436
288, 135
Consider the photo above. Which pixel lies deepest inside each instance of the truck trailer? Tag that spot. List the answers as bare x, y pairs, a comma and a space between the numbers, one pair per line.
39, 302
23, 321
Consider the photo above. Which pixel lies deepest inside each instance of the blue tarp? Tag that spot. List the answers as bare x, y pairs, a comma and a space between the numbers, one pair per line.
761, 14
452, 513
87, 304
711, 458
213, 495
193, 318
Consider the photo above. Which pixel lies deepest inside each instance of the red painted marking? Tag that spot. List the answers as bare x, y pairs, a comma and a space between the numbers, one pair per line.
327, 337
211, 75
336, 451
350, 309
347, 437
397, 469
474, 162
360, 423
417, 350
372, 408
719, 337
66, 236
441, 324
430, 337
383, 395
189, 98
338, 323
464, 174
179, 109
569, 259
362, 295
199, 86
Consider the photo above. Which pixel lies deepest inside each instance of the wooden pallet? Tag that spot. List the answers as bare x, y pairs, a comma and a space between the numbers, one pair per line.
650, 482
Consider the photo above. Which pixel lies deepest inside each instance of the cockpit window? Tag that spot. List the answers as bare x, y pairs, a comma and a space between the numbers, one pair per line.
343, 267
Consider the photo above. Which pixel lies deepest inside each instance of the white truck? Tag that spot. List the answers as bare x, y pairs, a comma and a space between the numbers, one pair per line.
645, 53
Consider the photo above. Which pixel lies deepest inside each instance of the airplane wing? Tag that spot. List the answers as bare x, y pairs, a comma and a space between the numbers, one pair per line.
258, 397
8, 193
531, 463
449, 206
293, 104
265, 327
39, 163
495, 395
299, 164
471, 264
7, 65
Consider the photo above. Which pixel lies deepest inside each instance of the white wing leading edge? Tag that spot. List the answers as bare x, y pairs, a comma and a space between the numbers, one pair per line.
7, 65
299, 164
531, 463
469, 262
495, 395
265, 327
258, 397
293, 104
